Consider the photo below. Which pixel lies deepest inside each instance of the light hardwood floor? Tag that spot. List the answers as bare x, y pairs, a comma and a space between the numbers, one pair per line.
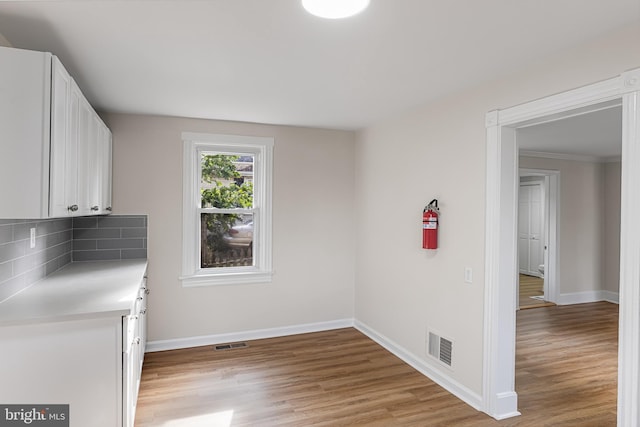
566, 376
531, 286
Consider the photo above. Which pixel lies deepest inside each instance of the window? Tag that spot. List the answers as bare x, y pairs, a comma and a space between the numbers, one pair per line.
226, 209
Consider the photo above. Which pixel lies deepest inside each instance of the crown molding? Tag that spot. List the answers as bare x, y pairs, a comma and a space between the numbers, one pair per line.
562, 156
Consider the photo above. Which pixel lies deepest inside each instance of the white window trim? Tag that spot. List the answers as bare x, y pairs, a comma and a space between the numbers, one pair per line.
262, 148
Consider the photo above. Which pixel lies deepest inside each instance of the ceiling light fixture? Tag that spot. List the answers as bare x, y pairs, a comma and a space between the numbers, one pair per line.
335, 9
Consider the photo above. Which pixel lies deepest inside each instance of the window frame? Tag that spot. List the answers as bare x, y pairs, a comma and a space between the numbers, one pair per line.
262, 149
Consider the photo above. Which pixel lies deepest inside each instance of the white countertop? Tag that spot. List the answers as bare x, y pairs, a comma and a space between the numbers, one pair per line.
78, 290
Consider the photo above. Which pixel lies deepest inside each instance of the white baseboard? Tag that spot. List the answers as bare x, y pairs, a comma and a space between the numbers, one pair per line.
609, 296
461, 392
587, 297
504, 404
178, 343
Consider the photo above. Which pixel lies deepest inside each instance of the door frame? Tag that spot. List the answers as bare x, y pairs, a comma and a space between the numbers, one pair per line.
551, 229
499, 397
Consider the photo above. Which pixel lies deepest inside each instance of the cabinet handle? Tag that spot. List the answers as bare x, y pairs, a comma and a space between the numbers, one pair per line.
139, 298
144, 311
137, 341
72, 208
146, 291
95, 208
109, 209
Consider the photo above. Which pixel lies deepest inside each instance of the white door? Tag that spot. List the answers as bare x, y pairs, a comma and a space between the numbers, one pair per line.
530, 228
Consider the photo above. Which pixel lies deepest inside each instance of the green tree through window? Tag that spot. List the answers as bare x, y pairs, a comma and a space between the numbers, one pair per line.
223, 187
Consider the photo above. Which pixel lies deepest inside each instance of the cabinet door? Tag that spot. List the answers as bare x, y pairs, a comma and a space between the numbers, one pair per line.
89, 167
105, 170
63, 160
85, 119
94, 164
72, 189
130, 356
25, 103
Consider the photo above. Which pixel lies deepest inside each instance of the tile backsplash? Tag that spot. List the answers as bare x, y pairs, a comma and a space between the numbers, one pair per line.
109, 237
61, 241
21, 265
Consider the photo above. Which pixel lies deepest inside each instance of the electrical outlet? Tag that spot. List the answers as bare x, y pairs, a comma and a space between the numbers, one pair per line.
468, 275
32, 240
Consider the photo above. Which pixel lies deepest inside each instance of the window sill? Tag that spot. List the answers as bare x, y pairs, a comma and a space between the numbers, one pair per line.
199, 280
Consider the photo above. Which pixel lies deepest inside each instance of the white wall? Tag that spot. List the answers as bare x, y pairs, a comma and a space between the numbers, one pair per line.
580, 252
438, 150
313, 226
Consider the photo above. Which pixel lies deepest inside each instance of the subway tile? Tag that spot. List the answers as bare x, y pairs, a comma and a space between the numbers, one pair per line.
43, 228
120, 244
21, 265
85, 245
96, 255
6, 233
34, 275
64, 260
58, 238
29, 262
85, 222
99, 233
121, 221
55, 252
53, 226
62, 224
12, 250
51, 266
134, 232
41, 244
134, 254
23, 231
6, 271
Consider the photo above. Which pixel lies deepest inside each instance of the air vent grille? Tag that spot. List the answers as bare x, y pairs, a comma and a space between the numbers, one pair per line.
446, 347
440, 348
231, 346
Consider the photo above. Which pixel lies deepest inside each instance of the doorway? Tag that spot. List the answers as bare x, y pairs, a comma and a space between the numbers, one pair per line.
537, 237
531, 239
499, 395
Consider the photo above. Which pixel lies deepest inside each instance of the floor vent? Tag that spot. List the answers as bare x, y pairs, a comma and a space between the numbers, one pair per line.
231, 346
440, 348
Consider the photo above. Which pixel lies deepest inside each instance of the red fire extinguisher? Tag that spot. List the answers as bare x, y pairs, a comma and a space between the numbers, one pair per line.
430, 225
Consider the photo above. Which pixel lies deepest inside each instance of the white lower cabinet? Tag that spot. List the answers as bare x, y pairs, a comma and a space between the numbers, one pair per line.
133, 355
92, 364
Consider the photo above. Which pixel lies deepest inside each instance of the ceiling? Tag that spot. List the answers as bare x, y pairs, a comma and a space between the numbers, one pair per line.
596, 134
268, 61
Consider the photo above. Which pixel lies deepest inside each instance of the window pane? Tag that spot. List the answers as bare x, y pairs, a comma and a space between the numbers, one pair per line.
226, 181
226, 240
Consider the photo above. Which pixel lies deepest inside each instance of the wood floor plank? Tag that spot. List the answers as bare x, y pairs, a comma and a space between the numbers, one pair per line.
530, 287
566, 365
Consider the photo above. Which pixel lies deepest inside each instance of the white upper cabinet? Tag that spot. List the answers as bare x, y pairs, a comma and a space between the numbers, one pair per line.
63, 164
106, 147
53, 161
